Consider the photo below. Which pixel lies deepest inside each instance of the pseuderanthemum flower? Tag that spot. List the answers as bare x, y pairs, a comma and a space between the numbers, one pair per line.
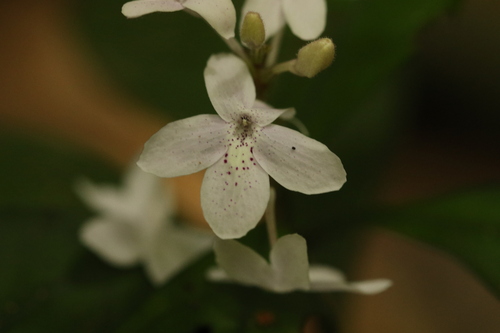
287, 270
220, 14
135, 226
306, 18
240, 147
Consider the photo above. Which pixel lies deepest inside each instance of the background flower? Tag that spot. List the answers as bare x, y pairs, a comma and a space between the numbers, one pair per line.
135, 226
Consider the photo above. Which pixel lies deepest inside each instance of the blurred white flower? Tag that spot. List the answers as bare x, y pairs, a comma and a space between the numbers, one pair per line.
241, 149
306, 18
288, 269
135, 226
220, 14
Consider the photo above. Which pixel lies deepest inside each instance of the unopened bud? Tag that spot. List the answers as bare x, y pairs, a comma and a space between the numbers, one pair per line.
314, 57
252, 33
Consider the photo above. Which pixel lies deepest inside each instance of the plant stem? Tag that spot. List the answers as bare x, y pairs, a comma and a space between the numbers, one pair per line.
271, 218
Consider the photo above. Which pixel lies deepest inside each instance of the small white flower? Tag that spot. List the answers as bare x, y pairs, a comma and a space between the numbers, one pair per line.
135, 226
220, 14
288, 269
240, 148
306, 18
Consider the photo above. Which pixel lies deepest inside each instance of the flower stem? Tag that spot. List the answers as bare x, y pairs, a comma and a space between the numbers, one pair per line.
275, 48
271, 218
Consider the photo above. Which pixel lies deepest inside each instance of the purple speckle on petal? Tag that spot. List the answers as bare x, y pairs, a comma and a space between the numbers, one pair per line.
225, 161
235, 184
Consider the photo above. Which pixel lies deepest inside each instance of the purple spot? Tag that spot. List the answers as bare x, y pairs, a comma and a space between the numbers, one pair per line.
254, 164
251, 158
236, 168
243, 161
251, 150
225, 161
229, 172
225, 155
235, 184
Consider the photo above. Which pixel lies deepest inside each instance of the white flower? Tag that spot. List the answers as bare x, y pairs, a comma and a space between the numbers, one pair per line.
288, 269
306, 18
240, 149
135, 226
220, 14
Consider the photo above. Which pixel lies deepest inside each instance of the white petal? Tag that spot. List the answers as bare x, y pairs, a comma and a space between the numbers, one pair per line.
263, 114
370, 286
325, 278
290, 264
270, 11
297, 162
234, 193
242, 264
106, 199
306, 18
229, 85
287, 270
216, 274
173, 248
114, 241
146, 195
138, 8
220, 14
185, 146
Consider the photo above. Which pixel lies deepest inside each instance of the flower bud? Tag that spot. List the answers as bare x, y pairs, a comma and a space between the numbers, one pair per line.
314, 57
252, 33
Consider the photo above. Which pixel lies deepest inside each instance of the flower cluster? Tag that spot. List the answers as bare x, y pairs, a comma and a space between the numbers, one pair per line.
240, 148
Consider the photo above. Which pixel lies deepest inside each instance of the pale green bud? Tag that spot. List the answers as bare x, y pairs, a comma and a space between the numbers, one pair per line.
252, 33
314, 57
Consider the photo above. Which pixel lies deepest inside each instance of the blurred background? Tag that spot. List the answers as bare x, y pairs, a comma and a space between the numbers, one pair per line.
410, 105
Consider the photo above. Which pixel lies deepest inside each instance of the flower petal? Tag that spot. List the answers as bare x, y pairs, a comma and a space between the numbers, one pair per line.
171, 249
287, 271
138, 8
106, 199
324, 278
234, 193
306, 18
220, 14
146, 196
370, 287
270, 11
290, 264
263, 114
229, 85
115, 241
241, 264
185, 146
297, 162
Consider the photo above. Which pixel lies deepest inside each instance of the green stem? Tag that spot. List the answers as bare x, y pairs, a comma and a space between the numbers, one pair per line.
270, 217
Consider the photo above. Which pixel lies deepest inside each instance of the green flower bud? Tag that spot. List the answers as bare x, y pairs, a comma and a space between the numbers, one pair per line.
314, 57
252, 33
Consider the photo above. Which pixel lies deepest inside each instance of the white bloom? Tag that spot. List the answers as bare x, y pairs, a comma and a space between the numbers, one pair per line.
220, 14
306, 18
240, 148
135, 226
288, 269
